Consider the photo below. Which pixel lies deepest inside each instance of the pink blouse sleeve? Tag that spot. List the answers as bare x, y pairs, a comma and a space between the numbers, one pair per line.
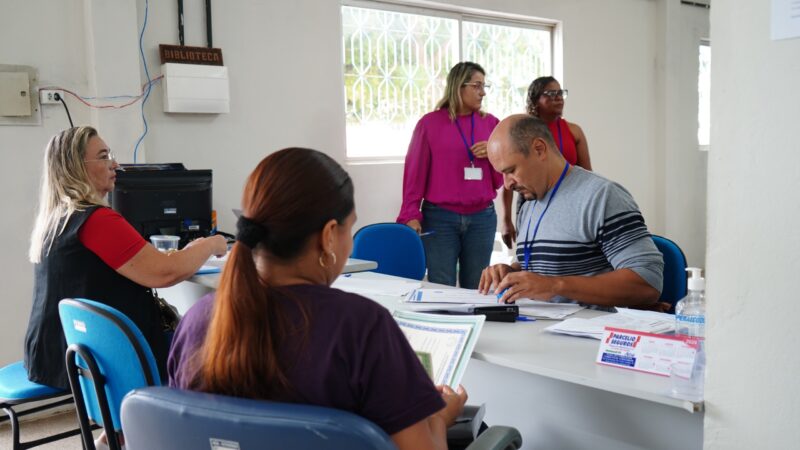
415, 175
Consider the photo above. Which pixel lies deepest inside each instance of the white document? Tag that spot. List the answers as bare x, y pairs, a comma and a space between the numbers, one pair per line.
547, 310
214, 261
629, 319
449, 340
471, 296
366, 287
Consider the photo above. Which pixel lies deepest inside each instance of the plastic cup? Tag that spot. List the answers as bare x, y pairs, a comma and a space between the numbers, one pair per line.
165, 243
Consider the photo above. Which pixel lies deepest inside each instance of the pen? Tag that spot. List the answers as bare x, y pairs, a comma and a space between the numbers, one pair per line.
427, 233
500, 294
525, 319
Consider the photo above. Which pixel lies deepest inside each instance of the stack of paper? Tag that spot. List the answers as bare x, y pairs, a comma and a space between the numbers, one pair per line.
629, 319
469, 296
466, 300
547, 310
366, 287
207, 269
444, 344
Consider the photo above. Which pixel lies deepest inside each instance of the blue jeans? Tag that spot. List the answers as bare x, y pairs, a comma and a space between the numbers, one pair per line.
466, 239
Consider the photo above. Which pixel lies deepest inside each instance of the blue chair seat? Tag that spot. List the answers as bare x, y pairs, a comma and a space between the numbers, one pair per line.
15, 385
16, 389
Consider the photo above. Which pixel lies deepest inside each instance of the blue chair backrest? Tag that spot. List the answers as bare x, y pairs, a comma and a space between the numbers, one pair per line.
395, 247
674, 271
162, 417
117, 348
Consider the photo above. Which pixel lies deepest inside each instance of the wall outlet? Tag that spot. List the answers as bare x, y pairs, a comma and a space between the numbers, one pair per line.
48, 96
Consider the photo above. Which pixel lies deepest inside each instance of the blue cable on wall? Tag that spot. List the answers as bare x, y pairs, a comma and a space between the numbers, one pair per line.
147, 76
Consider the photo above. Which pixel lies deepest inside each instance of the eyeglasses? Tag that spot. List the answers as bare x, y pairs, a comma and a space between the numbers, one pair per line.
479, 86
556, 93
108, 158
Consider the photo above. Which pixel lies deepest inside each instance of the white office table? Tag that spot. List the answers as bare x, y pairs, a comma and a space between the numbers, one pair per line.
185, 294
352, 265
549, 387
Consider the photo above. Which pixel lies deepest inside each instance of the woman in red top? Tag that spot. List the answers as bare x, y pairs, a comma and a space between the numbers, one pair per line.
81, 248
546, 101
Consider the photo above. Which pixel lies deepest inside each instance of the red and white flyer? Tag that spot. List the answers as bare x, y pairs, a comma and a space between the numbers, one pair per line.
646, 352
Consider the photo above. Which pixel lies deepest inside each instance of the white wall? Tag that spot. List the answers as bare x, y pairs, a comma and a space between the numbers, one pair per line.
286, 89
49, 36
752, 393
680, 166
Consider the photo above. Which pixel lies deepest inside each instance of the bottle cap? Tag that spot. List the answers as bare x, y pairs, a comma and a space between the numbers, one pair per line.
696, 281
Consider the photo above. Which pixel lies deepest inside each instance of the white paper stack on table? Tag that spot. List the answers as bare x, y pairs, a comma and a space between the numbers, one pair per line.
213, 265
629, 319
547, 310
367, 287
465, 300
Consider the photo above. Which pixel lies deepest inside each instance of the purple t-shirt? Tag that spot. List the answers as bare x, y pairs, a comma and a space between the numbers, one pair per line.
355, 358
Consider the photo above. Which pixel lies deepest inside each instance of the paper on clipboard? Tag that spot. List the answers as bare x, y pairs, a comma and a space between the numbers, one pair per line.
449, 340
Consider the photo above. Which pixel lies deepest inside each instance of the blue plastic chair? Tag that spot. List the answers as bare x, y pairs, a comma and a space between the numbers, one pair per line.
674, 271
15, 390
107, 357
395, 247
162, 417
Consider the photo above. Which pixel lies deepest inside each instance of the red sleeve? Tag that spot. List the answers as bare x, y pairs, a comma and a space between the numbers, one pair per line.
109, 236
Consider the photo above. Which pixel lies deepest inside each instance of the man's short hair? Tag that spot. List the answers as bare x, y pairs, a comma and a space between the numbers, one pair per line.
528, 128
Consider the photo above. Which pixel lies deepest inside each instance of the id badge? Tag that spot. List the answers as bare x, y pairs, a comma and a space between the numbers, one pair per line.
473, 173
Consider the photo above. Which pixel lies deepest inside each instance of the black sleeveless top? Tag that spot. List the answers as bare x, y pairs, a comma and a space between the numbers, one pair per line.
71, 270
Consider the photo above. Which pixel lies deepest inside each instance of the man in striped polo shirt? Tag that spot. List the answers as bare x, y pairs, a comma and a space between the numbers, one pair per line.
581, 237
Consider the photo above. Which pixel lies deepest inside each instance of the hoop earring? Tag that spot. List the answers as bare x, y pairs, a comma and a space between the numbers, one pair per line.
322, 260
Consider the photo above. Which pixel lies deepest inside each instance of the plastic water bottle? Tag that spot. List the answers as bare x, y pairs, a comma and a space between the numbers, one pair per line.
690, 321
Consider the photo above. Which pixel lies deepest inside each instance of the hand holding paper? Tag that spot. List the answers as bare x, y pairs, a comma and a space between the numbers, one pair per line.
454, 403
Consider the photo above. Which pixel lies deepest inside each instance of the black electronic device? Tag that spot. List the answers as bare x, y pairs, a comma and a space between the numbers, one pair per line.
493, 313
164, 199
498, 313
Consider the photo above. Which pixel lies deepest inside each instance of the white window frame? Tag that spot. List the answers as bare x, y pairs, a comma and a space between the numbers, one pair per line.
460, 14
704, 147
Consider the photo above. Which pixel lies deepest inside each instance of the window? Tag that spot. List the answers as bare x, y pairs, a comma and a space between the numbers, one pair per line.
396, 64
704, 97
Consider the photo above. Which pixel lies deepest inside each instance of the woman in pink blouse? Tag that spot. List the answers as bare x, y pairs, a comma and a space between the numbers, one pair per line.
449, 185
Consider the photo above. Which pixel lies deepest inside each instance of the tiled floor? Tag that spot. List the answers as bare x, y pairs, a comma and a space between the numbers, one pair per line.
45, 427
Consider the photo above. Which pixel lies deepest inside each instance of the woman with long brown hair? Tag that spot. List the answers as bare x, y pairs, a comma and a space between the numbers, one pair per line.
276, 329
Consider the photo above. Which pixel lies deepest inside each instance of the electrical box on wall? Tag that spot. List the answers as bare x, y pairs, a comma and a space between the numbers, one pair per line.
195, 88
19, 101
15, 92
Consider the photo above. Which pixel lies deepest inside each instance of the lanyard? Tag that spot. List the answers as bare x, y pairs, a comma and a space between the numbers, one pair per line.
560, 140
528, 246
464, 138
